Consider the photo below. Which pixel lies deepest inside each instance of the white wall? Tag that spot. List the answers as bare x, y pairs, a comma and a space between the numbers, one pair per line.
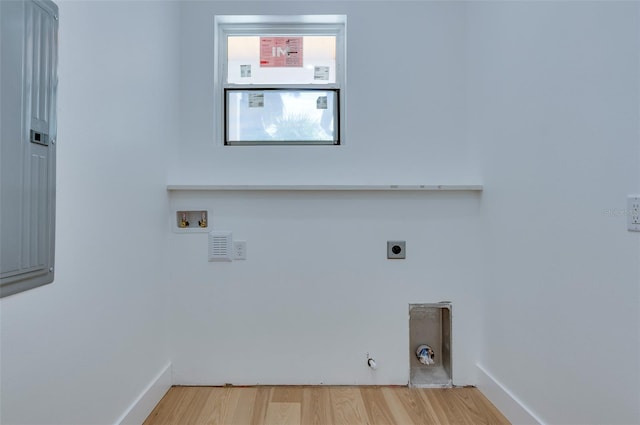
554, 95
317, 291
79, 351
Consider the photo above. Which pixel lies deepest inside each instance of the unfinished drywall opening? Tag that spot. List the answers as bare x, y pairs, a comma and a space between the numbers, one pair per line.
430, 345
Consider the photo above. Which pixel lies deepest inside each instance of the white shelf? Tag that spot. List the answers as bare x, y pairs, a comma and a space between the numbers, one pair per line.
332, 187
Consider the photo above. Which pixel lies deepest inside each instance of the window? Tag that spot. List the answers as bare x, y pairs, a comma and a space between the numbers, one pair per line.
280, 80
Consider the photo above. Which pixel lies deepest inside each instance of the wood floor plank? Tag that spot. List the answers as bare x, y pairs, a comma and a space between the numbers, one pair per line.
209, 409
324, 406
287, 394
454, 406
219, 407
190, 412
398, 408
439, 407
376, 406
182, 406
163, 411
316, 406
279, 413
484, 408
263, 396
185, 394
348, 407
466, 406
245, 405
408, 407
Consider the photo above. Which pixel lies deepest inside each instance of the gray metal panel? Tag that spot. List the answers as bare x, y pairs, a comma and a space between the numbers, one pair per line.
36, 226
41, 52
11, 144
28, 130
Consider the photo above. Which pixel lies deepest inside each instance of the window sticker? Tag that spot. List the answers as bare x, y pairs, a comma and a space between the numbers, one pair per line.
281, 52
245, 71
256, 100
321, 103
321, 73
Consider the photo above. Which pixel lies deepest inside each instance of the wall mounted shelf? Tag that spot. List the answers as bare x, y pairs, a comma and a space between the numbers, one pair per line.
331, 187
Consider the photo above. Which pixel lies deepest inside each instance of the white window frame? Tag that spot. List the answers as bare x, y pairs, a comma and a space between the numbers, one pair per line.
272, 25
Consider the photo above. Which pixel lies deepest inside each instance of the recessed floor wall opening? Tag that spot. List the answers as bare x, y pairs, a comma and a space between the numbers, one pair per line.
430, 345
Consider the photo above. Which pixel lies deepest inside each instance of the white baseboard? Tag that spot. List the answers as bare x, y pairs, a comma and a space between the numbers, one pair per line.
509, 405
148, 399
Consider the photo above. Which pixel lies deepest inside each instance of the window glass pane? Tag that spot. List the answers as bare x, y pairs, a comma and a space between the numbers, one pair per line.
317, 64
281, 116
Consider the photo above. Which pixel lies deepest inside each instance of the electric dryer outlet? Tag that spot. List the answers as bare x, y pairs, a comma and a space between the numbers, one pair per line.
396, 250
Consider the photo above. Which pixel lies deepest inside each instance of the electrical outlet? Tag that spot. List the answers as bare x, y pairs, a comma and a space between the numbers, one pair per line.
396, 250
633, 213
239, 250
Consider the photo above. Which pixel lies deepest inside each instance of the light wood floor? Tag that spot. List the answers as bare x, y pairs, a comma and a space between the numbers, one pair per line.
323, 405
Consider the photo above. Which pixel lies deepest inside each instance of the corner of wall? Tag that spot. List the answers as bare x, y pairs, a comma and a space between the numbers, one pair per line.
148, 398
511, 406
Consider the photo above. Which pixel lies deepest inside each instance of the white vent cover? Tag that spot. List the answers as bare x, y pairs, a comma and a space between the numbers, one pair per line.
220, 246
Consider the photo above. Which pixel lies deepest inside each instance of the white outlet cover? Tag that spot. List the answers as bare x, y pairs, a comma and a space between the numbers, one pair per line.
633, 213
239, 250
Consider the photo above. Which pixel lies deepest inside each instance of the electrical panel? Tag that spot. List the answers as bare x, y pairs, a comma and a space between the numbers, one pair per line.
28, 83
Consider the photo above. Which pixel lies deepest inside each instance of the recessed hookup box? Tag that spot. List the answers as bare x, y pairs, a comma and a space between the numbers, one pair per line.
430, 345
